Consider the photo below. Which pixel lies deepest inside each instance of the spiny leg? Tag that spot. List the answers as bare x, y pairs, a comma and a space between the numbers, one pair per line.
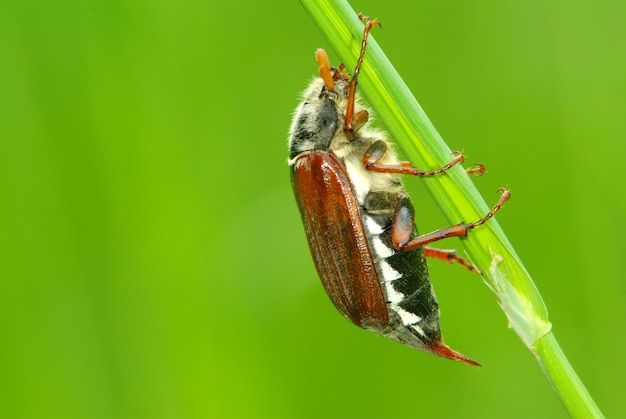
403, 223
377, 150
449, 256
349, 126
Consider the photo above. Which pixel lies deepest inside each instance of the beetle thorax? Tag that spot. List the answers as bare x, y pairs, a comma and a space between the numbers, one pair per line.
318, 125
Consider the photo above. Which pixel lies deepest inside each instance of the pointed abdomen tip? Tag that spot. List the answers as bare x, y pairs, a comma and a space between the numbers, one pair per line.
445, 352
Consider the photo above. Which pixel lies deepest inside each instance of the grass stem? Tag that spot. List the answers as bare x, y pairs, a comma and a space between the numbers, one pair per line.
488, 247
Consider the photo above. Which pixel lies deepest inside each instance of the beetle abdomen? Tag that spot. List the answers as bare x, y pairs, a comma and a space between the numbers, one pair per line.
410, 298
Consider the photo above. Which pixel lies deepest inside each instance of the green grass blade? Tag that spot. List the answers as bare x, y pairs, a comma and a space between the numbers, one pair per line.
456, 195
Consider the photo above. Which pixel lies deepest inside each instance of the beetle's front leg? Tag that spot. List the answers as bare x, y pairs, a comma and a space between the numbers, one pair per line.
402, 225
377, 150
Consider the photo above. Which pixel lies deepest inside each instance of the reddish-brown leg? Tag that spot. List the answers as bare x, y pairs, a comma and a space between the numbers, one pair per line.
340, 72
449, 256
360, 118
403, 222
349, 126
477, 170
377, 150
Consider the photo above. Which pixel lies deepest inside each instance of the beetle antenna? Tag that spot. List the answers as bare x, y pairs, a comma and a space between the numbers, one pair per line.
369, 24
324, 66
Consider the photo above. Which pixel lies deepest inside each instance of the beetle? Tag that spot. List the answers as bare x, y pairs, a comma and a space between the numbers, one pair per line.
358, 219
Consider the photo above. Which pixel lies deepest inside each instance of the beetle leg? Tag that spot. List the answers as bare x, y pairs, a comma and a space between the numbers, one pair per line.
340, 72
349, 126
360, 118
402, 225
449, 256
478, 170
377, 150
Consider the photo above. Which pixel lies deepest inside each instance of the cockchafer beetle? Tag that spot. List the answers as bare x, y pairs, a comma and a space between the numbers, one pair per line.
358, 219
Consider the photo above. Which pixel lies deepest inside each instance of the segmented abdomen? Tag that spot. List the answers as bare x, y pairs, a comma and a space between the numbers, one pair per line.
403, 274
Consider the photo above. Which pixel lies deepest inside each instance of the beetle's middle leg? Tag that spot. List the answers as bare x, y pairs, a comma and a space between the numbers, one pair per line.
377, 150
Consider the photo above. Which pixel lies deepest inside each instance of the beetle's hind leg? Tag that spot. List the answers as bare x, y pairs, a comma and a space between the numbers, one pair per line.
376, 151
449, 256
403, 225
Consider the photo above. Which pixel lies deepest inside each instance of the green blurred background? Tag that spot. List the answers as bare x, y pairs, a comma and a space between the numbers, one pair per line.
152, 259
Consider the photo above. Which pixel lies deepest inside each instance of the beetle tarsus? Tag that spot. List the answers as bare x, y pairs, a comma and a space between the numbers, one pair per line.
349, 123
477, 170
506, 195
